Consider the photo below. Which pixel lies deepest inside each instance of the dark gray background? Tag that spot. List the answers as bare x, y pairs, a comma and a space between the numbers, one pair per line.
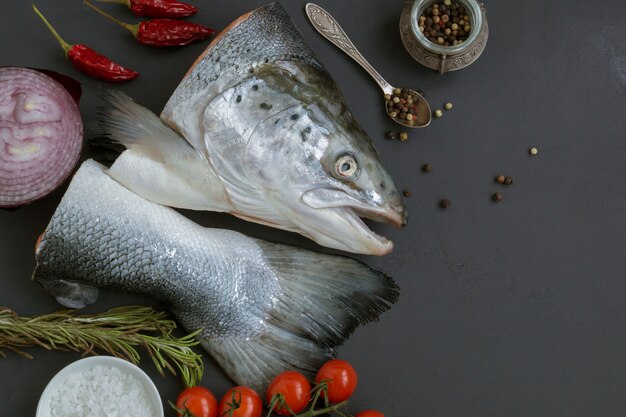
515, 309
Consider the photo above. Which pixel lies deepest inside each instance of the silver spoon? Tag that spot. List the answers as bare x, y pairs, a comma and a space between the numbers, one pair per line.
329, 28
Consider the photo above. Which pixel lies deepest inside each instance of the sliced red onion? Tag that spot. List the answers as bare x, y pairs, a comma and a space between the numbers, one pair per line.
71, 85
41, 135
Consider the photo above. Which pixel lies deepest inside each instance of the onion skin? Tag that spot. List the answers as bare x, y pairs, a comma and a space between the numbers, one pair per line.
41, 135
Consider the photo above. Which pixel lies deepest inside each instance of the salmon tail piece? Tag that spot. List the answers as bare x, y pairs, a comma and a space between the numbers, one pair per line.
325, 299
263, 307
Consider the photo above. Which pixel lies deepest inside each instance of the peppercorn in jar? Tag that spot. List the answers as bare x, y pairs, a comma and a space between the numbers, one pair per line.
445, 35
446, 23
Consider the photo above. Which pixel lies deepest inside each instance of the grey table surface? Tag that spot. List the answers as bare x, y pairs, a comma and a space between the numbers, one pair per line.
509, 309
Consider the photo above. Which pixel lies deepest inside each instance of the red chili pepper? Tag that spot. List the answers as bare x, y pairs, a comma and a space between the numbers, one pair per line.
89, 61
157, 8
98, 66
169, 32
162, 32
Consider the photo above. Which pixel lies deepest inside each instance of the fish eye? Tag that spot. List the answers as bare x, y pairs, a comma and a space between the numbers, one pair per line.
346, 166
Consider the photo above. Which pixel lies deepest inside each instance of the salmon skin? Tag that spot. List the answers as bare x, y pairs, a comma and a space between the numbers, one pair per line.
259, 129
263, 308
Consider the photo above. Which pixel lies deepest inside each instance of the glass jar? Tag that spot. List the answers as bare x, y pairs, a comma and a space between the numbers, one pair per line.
438, 57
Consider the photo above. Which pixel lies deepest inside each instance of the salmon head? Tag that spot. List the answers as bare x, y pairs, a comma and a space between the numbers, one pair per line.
273, 126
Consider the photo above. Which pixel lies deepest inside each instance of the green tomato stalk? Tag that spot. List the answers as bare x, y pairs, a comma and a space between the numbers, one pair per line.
340, 409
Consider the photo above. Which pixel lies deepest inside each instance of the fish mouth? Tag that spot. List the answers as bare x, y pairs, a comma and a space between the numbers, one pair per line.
394, 216
381, 245
352, 211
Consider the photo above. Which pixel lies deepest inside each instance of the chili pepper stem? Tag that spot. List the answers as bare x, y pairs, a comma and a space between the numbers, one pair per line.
124, 2
66, 46
134, 29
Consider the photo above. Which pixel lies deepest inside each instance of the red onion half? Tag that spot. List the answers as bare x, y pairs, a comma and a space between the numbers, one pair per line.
41, 135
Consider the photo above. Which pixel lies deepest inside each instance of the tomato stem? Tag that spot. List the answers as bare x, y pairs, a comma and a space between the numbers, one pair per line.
278, 401
182, 412
234, 405
328, 409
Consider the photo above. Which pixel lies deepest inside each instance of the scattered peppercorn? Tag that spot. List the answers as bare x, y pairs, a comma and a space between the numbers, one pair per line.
445, 23
448, 106
500, 179
390, 135
403, 136
402, 105
497, 197
427, 168
533, 151
508, 181
406, 193
438, 113
445, 203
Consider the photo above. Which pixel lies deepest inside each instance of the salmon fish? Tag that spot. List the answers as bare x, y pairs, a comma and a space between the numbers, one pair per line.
259, 129
263, 308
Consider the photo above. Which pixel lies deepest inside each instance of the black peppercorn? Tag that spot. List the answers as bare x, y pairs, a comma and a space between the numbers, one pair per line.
500, 179
390, 135
508, 180
427, 168
445, 203
402, 105
436, 18
497, 197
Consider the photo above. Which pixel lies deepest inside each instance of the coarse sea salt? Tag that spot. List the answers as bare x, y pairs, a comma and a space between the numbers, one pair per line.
102, 391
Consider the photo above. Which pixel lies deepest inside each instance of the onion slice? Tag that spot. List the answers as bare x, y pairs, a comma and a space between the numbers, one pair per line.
41, 135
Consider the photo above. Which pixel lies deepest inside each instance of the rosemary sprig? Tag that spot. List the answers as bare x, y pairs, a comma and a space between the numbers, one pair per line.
117, 332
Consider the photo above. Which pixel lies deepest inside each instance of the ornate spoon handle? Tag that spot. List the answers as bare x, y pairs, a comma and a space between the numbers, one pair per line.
328, 27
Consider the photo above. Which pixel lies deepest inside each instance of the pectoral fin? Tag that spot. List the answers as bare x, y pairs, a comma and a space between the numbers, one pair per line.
159, 164
71, 294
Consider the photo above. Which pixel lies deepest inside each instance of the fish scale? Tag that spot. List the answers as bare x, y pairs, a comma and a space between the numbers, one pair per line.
264, 38
104, 244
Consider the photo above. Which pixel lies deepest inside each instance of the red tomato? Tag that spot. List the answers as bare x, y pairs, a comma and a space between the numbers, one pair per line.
294, 387
341, 379
245, 403
370, 413
197, 400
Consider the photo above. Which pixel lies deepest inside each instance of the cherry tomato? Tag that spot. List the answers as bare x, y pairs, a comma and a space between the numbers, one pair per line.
370, 413
341, 380
294, 387
198, 400
245, 402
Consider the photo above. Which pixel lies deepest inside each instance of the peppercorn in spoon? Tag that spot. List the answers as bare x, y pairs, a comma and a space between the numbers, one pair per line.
405, 106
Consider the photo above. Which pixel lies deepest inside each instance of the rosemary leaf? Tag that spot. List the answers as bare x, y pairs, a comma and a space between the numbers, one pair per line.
117, 331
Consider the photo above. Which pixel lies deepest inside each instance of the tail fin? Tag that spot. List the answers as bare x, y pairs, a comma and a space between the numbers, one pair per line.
137, 128
324, 299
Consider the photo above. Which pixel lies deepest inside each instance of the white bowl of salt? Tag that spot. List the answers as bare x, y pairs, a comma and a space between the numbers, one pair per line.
100, 386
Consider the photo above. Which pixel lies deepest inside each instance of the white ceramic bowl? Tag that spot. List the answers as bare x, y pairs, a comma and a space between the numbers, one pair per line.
43, 408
